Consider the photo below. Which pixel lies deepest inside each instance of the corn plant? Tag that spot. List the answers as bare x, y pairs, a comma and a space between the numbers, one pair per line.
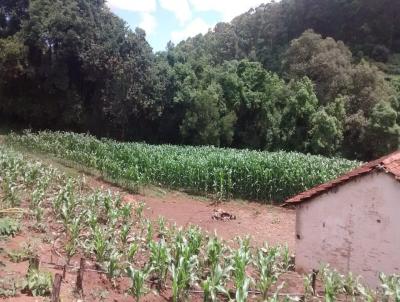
112, 266
308, 289
214, 250
126, 212
100, 244
131, 251
9, 226
38, 213
162, 229
203, 170
367, 294
64, 196
38, 283
159, 260
351, 286
9, 287
391, 287
149, 231
124, 233
275, 297
215, 283
333, 284
241, 258
195, 239
73, 231
267, 268
183, 276
113, 217
139, 210
92, 218
10, 191
286, 260
138, 278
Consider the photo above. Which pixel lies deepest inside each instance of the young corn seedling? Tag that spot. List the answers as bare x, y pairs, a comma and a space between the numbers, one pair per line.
138, 278
67, 210
107, 202
100, 244
38, 283
10, 192
214, 250
131, 251
286, 259
308, 289
149, 231
73, 231
37, 197
9, 226
183, 277
333, 284
112, 266
38, 213
391, 287
159, 260
194, 239
240, 259
267, 270
139, 210
65, 194
276, 297
112, 219
92, 218
162, 230
215, 283
126, 213
124, 233
31, 175
351, 286
367, 294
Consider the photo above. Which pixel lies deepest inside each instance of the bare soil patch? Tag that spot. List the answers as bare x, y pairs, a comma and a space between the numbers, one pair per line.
264, 223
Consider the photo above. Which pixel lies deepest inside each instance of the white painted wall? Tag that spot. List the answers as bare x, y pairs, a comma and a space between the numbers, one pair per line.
354, 227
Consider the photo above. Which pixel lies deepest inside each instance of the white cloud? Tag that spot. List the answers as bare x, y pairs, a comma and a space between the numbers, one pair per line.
195, 27
180, 8
142, 6
148, 22
227, 8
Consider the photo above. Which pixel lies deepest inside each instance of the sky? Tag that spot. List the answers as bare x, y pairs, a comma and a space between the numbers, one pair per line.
176, 20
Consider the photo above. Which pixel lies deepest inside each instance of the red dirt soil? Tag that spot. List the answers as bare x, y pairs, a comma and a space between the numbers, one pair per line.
264, 223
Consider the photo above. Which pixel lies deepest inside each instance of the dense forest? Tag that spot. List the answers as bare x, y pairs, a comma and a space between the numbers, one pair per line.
317, 76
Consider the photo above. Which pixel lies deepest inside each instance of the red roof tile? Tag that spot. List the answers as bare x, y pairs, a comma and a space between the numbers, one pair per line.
390, 164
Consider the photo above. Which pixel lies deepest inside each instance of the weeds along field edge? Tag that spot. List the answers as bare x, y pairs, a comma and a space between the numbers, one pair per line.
222, 173
101, 228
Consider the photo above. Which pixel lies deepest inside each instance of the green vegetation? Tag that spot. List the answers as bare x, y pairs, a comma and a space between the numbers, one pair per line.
224, 173
183, 259
9, 226
276, 78
38, 283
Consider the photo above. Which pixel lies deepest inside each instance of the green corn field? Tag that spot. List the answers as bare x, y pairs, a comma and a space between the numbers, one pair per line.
222, 173
96, 224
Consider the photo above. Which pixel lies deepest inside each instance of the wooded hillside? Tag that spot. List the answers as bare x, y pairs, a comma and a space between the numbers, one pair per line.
318, 76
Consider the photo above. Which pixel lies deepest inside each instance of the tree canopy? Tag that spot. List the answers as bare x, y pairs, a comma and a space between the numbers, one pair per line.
283, 76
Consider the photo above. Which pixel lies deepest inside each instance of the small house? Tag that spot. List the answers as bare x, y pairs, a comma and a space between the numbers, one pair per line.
353, 222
